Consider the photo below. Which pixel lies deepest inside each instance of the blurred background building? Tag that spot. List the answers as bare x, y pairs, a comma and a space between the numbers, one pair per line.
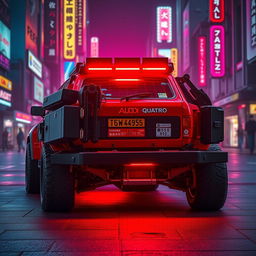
212, 40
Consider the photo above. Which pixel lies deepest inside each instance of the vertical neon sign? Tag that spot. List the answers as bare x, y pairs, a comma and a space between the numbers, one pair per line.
164, 24
217, 50
186, 43
69, 29
174, 59
202, 60
216, 10
95, 47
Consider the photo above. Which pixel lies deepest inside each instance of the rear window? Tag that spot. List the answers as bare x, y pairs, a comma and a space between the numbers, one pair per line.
119, 88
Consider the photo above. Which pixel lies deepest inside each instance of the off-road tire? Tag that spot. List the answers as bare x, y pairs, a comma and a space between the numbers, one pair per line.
139, 188
32, 173
57, 184
210, 185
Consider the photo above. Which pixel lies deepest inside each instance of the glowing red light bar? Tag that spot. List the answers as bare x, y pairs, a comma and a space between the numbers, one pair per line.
127, 68
99, 68
154, 68
141, 164
127, 79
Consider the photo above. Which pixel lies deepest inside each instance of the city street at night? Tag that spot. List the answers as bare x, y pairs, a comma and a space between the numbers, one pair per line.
107, 221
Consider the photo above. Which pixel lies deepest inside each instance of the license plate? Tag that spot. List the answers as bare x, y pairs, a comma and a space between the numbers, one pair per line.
163, 130
126, 122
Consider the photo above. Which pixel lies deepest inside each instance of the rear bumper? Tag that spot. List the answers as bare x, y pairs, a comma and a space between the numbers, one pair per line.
111, 158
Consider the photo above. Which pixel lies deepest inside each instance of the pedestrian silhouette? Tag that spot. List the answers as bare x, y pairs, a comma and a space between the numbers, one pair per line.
5, 135
250, 128
20, 140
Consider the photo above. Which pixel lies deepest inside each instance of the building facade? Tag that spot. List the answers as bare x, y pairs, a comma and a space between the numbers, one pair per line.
219, 52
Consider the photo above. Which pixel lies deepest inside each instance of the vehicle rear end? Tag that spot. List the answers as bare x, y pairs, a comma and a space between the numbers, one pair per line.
128, 123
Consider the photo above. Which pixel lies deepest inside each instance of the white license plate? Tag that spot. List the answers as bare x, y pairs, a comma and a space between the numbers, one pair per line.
163, 130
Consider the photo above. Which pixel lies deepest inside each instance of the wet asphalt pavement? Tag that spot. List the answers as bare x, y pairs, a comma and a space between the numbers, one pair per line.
107, 221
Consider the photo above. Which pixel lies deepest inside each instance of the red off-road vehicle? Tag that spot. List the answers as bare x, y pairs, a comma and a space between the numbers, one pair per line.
130, 123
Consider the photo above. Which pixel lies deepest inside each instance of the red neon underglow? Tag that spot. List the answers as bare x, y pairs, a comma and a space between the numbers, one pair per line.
127, 68
127, 79
99, 68
154, 68
141, 164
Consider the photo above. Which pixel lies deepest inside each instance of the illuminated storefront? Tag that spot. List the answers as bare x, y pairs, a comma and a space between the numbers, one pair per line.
231, 130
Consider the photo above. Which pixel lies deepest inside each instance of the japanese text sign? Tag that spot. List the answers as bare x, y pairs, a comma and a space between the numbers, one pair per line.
95, 47
80, 26
164, 24
69, 29
50, 29
216, 10
202, 60
174, 60
217, 50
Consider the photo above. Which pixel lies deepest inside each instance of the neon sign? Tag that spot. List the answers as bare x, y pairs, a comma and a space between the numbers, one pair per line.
69, 30
95, 47
217, 50
22, 117
186, 41
174, 59
51, 8
202, 60
5, 98
5, 83
164, 24
216, 10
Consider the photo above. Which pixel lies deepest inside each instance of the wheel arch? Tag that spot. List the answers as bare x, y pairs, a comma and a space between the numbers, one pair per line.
36, 144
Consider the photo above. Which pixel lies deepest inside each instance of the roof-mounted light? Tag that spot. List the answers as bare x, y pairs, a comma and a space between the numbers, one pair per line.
127, 68
154, 69
127, 79
100, 69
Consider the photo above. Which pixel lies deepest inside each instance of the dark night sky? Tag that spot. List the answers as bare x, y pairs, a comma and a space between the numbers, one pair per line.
121, 25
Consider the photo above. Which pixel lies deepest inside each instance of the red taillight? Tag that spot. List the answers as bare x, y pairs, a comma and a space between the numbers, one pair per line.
187, 126
127, 80
141, 164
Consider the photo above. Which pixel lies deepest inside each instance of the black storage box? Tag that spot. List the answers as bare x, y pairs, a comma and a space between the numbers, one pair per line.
212, 124
62, 124
60, 98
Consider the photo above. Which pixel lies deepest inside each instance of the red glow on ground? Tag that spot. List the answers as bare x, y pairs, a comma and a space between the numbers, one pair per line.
114, 197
